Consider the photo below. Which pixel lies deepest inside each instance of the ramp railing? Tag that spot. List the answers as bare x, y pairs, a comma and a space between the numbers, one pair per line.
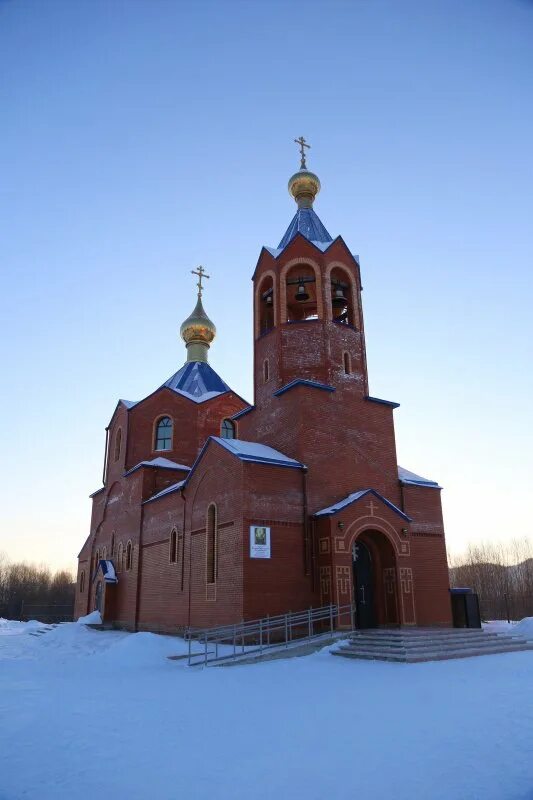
229, 642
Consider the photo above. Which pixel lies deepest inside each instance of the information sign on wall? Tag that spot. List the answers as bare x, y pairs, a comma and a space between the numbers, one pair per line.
259, 541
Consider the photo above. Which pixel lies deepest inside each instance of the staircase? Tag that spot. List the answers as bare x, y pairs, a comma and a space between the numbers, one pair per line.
409, 645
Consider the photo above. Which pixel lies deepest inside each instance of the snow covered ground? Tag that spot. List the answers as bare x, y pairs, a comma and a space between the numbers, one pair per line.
87, 713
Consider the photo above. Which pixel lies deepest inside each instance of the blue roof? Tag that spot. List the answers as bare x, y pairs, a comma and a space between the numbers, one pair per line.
352, 498
159, 463
412, 479
175, 487
197, 381
304, 382
257, 453
306, 222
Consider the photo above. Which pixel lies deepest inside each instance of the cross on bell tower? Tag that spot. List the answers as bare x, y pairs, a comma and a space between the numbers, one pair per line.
200, 271
303, 144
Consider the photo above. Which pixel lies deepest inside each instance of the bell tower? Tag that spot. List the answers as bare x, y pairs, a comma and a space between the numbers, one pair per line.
311, 397
308, 319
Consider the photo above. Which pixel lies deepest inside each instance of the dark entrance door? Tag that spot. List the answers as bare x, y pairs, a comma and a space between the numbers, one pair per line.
363, 581
98, 597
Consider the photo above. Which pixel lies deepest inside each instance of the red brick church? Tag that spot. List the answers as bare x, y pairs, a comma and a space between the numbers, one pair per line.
214, 510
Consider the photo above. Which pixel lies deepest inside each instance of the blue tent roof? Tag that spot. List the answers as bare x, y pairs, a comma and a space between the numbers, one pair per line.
306, 222
197, 381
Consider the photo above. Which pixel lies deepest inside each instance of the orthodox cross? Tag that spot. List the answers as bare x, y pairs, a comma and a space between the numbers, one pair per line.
201, 274
371, 507
301, 141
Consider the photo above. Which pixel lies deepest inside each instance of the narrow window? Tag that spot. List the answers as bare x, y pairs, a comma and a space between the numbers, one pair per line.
129, 555
112, 544
172, 553
118, 443
120, 557
211, 570
227, 429
265, 371
104, 553
347, 364
96, 560
163, 434
82, 582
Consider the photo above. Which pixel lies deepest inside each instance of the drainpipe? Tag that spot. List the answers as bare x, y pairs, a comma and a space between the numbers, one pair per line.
105, 455
305, 521
139, 569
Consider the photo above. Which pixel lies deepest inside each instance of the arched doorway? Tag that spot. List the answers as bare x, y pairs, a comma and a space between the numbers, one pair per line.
363, 581
374, 580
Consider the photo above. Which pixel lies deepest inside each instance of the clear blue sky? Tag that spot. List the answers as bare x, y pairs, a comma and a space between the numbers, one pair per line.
142, 138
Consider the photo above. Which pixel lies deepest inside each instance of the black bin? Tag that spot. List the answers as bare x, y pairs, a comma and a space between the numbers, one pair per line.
465, 608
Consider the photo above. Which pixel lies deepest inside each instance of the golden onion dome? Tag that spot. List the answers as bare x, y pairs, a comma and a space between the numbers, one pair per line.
304, 187
198, 331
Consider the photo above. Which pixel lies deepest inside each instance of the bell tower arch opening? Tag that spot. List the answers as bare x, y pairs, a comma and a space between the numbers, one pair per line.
267, 319
342, 310
301, 294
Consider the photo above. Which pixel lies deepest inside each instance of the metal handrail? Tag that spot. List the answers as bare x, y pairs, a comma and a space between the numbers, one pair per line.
283, 626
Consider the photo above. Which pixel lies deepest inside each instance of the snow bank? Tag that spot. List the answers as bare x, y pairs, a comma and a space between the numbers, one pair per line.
93, 618
524, 628
11, 627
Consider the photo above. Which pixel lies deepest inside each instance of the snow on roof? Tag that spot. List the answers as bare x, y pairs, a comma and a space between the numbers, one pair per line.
160, 462
175, 487
128, 403
412, 479
352, 498
197, 381
256, 453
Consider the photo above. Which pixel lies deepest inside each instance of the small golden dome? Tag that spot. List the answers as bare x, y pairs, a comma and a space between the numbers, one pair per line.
304, 187
198, 330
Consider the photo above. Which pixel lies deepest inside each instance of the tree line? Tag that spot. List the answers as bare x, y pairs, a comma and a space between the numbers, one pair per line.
30, 591
502, 575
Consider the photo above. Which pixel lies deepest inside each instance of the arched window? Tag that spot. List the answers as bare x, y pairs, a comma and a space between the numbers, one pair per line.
96, 560
211, 532
266, 305
346, 359
341, 298
120, 557
129, 555
118, 443
172, 549
266, 371
227, 429
112, 544
301, 294
104, 553
82, 582
163, 434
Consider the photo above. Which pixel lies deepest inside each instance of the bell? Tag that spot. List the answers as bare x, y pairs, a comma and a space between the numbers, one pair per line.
268, 300
301, 294
339, 299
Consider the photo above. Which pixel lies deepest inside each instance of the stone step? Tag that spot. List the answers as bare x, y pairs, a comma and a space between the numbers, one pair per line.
429, 643
435, 655
415, 652
401, 640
